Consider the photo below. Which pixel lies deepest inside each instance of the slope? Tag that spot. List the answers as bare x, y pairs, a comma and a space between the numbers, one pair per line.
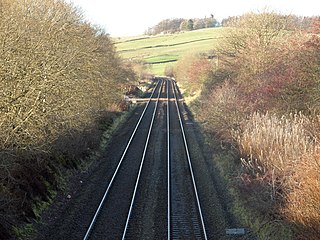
160, 50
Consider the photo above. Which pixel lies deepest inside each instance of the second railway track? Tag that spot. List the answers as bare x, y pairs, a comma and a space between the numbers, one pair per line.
186, 217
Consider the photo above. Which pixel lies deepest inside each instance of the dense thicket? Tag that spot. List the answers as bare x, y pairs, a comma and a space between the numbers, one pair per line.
59, 77
261, 94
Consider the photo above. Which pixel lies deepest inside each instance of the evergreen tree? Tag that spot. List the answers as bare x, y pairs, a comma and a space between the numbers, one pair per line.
190, 25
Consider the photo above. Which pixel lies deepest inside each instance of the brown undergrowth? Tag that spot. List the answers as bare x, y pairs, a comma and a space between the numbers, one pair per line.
281, 156
61, 84
262, 99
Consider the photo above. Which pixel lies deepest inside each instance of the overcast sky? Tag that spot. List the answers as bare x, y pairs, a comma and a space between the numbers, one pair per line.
133, 17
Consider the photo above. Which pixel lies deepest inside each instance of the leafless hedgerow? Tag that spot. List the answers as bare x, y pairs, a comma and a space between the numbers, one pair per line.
58, 76
263, 98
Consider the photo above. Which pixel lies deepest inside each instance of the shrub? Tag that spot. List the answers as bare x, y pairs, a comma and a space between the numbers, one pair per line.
221, 111
59, 76
193, 71
169, 70
268, 72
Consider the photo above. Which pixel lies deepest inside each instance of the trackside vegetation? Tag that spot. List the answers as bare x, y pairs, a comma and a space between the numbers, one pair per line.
259, 95
253, 84
61, 86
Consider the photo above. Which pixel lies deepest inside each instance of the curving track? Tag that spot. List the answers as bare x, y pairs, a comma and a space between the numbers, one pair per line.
152, 193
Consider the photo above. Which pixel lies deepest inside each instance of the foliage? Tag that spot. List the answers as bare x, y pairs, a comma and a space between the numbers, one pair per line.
314, 25
169, 71
302, 202
262, 97
190, 25
296, 22
59, 77
220, 111
200, 23
179, 24
275, 69
278, 142
166, 26
193, 70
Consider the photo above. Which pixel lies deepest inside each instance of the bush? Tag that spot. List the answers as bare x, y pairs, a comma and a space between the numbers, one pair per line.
193, 71
275, 69
169, 70
221, 111
268, 72
278, 152
59, 76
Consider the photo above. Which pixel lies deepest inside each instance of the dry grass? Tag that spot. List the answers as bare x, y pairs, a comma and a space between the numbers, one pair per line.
303, 198
284, 153
276, 142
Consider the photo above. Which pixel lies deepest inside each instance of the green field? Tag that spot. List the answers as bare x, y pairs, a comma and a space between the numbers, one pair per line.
160, 50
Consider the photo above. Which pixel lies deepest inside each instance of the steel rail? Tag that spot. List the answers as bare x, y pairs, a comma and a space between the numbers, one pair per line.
118, 166
141, 164
189, 161
168, 163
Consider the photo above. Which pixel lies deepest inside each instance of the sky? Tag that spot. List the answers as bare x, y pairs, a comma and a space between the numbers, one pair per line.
133, 17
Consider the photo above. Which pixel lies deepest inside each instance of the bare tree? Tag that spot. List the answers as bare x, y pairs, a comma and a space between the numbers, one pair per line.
58, 76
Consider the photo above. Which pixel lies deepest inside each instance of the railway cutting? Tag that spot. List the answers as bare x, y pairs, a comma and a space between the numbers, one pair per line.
150, 184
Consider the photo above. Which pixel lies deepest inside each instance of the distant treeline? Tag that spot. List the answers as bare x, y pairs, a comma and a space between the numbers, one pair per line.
292, 22
180, 24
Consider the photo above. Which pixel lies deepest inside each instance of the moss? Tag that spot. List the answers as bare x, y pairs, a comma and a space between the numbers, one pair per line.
38, 206
24, 231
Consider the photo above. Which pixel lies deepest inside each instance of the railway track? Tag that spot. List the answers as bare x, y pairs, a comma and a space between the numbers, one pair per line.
185, 211
152, 193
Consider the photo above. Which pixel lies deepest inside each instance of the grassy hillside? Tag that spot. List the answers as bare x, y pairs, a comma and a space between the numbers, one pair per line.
159, 50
